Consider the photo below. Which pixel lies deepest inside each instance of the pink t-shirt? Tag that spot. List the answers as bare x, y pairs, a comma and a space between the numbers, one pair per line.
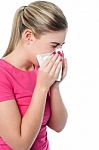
19, 85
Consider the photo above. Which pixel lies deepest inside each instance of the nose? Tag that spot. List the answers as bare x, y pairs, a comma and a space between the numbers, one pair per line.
59, 46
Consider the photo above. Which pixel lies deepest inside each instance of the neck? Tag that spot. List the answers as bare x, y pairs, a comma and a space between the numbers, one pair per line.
19, 59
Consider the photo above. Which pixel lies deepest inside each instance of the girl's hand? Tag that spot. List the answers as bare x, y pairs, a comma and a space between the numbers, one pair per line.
64, 68
49, 71
64, 73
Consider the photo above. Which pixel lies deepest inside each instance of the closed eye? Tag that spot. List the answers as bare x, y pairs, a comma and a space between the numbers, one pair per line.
54, 46
57, 44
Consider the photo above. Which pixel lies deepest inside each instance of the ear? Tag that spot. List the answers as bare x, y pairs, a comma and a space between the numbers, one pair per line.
28, 36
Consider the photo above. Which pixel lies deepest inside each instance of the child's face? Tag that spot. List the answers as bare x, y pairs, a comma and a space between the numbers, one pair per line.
48, 43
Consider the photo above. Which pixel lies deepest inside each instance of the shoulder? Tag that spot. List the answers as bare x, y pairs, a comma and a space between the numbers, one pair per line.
2, 70
4, 75
2, 66
5, 69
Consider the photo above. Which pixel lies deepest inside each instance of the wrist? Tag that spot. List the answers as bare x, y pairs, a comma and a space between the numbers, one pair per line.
55, 85
41, 89
54, 89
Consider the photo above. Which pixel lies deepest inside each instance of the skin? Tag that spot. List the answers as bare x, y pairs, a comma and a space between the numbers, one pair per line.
24, 58
24, 55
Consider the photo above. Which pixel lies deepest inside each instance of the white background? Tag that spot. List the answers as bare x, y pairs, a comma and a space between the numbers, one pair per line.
80, 89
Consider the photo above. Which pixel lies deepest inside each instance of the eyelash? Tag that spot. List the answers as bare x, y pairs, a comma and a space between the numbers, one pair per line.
54, 46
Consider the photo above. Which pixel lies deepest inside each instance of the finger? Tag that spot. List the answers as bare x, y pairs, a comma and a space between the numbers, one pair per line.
64, 68
57, 71
51, 62
53, 69
64, 65
46, 61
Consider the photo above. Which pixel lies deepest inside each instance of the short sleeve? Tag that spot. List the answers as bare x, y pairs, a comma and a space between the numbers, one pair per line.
6, 90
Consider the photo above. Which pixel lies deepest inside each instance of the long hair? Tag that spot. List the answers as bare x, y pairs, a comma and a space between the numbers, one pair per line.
40, 17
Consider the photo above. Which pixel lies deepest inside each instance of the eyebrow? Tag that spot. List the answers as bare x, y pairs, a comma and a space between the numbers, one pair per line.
58, 43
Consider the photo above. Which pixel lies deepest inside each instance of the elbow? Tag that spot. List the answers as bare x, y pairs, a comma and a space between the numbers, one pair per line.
58, 125
58, 129
61, 127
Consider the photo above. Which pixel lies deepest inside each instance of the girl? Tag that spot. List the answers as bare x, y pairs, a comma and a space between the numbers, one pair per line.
30, 99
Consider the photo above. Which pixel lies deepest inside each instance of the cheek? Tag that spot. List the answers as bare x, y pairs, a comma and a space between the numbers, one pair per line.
40, 48
46, 49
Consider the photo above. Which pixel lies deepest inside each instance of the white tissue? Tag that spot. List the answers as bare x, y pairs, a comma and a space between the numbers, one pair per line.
42, 57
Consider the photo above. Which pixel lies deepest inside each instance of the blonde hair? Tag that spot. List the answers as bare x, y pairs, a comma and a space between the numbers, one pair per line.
40, 17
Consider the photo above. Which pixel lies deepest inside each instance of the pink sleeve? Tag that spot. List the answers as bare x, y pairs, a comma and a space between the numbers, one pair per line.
6, 90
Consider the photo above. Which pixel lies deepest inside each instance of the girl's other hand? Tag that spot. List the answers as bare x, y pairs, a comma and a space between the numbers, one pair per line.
49, 71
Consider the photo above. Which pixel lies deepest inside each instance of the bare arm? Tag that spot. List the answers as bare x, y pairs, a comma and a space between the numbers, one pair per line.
59, 115
20, 133
59, 112
32, 120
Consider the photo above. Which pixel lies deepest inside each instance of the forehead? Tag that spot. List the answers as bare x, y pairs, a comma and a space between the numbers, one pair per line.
54, 36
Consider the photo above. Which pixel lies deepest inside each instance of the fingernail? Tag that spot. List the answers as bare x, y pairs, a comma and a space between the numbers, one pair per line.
59, 53
54, 53
61, 60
